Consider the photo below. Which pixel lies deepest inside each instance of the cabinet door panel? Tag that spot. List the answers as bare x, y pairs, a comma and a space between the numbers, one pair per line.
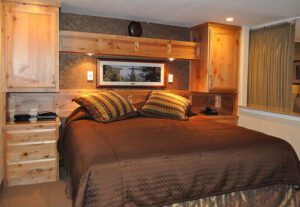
223, 60
31, 38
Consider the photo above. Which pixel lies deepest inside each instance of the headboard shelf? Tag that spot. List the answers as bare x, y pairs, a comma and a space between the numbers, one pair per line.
105, 44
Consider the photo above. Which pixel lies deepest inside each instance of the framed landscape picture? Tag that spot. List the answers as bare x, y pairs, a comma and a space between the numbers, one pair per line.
130, 73
296, 72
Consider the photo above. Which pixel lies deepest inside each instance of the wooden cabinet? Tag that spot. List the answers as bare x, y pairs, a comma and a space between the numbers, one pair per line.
217, 68
31, 152
31, 48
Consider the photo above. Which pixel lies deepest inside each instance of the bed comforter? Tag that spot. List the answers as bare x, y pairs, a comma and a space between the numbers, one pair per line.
156, 162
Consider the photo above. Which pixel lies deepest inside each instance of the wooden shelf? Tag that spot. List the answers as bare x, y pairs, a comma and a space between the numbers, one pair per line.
103, 44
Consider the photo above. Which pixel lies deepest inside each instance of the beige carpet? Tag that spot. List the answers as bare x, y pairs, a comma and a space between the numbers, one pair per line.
40, 195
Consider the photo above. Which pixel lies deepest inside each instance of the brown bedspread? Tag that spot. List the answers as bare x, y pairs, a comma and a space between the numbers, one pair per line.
155, 162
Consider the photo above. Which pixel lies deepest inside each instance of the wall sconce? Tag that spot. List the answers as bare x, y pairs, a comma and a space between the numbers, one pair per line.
171, 59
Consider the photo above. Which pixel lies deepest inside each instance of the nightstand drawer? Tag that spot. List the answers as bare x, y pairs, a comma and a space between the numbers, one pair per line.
30, 172
31, 135
31, 151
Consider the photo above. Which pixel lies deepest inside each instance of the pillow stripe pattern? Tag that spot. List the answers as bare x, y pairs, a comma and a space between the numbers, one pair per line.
106, 106
166, 105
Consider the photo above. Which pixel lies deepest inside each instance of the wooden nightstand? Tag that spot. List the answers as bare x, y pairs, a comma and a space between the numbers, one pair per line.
227, 119
31, 152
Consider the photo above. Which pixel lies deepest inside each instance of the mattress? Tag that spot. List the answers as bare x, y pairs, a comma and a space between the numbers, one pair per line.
159, 162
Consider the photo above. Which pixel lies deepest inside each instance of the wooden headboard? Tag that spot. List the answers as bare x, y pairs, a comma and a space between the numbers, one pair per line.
61, 102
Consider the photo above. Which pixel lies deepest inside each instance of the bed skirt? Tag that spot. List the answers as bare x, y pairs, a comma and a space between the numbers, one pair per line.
271, 196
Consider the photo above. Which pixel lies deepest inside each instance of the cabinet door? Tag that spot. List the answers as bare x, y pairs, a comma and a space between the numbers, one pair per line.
223, 59
31, 44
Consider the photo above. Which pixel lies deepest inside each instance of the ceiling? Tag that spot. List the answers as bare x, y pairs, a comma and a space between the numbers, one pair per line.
187, 13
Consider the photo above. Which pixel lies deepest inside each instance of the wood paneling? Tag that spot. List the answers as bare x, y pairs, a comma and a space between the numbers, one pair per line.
55, 3
102, 44
2, 94
65, 106
62, 102
31, 48
217, 68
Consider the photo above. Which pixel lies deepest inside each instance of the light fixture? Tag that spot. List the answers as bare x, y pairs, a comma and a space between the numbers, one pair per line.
171, 59
90, 54
229, 19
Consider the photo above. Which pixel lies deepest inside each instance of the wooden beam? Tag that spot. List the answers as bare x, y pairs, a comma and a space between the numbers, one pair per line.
104, 44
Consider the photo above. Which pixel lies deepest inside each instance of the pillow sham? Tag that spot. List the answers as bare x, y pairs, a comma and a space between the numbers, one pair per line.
107, 106
166, 105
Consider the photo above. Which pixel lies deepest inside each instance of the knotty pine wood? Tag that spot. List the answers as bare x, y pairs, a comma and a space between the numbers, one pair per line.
31, 48
62, 104
33, 157
2, 94
32, 172
217, 68
55, 3
31, 151
103, 44
31, 135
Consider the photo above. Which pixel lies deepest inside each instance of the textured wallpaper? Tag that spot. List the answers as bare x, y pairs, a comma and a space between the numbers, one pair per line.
297, 51
84, 23
73, 67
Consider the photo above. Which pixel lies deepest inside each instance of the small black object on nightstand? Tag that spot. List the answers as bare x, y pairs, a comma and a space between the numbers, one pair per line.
209, 111
46, 116
22, 117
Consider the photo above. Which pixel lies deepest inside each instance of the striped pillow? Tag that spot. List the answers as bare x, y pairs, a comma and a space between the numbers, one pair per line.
106, 106
166, 105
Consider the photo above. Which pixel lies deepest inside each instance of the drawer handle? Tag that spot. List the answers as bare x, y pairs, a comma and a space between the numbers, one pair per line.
25, 154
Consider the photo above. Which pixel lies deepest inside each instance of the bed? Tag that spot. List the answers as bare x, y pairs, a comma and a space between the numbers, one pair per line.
160, 162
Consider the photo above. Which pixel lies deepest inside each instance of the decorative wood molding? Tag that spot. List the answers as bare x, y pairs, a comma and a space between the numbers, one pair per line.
104, 44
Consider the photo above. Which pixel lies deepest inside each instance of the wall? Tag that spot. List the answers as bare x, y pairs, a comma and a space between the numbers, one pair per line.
297, 51
73, 67
84, 23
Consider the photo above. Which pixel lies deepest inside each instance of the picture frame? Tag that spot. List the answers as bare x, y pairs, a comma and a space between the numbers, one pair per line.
296, 72
119, 73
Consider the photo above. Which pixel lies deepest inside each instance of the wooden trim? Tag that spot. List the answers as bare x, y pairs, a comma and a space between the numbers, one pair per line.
208, 24
53, 3
104, 44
